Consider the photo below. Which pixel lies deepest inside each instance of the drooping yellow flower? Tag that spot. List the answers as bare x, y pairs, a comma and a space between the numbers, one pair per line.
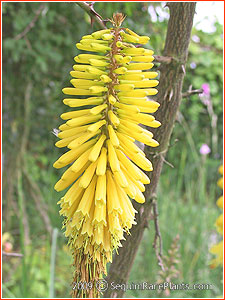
218, 248
113, 84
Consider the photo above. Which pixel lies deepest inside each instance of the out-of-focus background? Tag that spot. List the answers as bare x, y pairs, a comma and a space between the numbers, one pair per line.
38, 49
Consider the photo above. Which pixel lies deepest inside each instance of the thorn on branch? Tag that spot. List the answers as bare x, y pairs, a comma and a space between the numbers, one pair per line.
163, 59
89, 8
157, 244
191, 92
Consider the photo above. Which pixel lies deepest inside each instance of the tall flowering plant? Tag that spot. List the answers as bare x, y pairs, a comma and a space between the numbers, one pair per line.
113, 81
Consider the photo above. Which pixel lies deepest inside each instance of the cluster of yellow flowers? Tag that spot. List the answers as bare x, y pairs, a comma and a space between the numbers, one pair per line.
105, 160
218, 248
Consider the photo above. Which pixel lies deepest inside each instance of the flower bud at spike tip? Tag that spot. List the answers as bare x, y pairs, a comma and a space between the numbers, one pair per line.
114, 79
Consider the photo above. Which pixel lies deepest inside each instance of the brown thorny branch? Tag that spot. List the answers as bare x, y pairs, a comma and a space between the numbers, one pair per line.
166, 60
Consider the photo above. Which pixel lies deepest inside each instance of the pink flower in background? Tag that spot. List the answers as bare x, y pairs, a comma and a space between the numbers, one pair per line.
204, 150
206, 89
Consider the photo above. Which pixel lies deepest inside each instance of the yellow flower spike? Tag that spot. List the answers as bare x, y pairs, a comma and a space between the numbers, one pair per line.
81, 161
85, 47
118, 58
113, 204
125, 142
133, 51
148, 110
94, 127
112, 99
83, 75
139, 102
105, 78
72, 155
65, 142
100, 210
82, 68
113, 160
107, 36
220, 202
99, 47
75, 92
83, 120
132, 32
88, 197
148, 52
74, 114
219, 224
98, 109
144, 40
98, 89
220, 170
132, 76
132, 126
139, 197
142, 84
83, 102
154, 124
73, 132
113, 137
124, 87
119, 44
120, 179
82, 139
71, 176
100, 194
88, 175
140, 66
64, 127
98, 34
126, 59
88, 36
82, 82
87, 42
220, 182
146, 59
113, 118
121, 70
95, 71
101, 167
112, 76
135, 93
90, 56
126, 163
150, 75
98, 63
132, 108
129, 38
97, 149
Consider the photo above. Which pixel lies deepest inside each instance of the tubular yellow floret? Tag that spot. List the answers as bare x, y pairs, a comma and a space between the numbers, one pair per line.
97, 149
113, 118
112, 136
94, 127
111, 81
113, 160
101, 167
98, 109
100, 194
82, 139
112, 99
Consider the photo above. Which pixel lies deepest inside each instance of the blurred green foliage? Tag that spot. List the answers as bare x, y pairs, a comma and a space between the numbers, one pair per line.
38, 49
